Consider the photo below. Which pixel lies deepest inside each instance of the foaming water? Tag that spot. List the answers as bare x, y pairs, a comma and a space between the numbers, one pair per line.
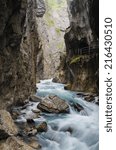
74, 131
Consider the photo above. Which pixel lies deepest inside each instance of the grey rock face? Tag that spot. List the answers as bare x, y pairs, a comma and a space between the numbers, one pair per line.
40, 8
7, 126
52, 29
82, 71
12, 68
80, 19
19, 46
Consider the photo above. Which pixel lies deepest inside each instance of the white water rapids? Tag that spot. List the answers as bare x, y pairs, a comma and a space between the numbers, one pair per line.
73, 131
85, 129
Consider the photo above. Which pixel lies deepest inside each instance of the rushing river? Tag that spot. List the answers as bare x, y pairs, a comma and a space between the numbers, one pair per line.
83, 125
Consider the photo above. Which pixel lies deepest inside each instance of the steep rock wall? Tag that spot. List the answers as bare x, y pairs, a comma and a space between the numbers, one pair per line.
19, 46
52, 29
83, 33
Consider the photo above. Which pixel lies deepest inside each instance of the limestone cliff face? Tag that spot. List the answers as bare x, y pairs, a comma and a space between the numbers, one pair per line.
82, 37
52, 29
19, 46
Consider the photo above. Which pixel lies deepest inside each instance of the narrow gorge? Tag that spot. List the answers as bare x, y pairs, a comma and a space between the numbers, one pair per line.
49, 74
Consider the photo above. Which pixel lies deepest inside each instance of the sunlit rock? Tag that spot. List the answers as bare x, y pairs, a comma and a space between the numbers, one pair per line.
53, 104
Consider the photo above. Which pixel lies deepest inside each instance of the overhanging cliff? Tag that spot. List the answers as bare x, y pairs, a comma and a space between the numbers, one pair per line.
82, 38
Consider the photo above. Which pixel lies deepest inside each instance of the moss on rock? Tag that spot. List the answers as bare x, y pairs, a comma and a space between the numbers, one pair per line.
75, 59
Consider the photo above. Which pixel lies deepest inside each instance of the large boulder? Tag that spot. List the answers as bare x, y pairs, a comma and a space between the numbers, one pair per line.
53, 104
13, 143
7, 126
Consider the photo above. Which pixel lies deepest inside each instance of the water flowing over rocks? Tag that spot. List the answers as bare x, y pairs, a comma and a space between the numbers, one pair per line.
47, 130
78, 107
53, 104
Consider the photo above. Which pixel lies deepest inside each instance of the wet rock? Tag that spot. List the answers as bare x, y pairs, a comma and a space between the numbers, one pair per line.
3, 135
21, 134
23, 104
89, 98
69, 129
97, 100
53, 104
26, 101
83, 113
31, 115
81, 94
32, 132
42, 127
7, 126
15, 114
31, 122
26, 105
67, 87
27, 131
35, 98
36, 111
14, 143
55, 79
77, 106
34, 143
97, 103
54, 126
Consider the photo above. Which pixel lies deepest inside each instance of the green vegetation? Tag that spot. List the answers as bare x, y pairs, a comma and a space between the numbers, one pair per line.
49, 19
50, 22
75, 59
60, 45
55, 4
52, 7
58, 31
